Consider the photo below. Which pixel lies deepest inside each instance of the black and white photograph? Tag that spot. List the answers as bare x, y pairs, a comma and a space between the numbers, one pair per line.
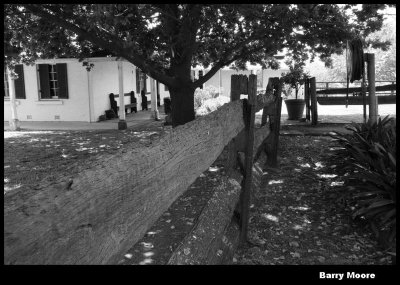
260, 135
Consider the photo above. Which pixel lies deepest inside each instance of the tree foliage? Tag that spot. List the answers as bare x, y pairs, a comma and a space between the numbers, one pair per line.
165, 40
296, 75
385, 59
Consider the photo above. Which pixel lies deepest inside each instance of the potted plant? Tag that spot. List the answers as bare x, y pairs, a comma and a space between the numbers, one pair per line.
293, 80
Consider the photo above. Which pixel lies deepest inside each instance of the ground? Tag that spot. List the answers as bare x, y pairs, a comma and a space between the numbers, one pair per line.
299, 216
33, 157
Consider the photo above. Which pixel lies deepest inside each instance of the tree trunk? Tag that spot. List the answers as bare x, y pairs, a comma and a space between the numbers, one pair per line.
182, 101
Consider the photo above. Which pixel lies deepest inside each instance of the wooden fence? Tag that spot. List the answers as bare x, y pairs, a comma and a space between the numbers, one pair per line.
99, 214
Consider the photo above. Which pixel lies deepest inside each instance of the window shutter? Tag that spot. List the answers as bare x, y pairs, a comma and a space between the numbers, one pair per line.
145, 83
138, 81
19, 83
44, 81
62, 79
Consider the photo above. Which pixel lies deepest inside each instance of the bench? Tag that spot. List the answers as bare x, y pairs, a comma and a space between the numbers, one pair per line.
129, 106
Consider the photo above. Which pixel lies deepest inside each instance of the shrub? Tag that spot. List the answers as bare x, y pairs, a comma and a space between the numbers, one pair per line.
372, 148
210, 105
208, 92
208, 100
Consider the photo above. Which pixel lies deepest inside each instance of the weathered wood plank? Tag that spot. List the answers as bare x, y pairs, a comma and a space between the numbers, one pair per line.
201, 245
215, 236
246, 192
110, 206
264, 99
314, 105
388, 87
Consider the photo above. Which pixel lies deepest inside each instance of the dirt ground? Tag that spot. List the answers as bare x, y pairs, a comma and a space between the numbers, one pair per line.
299, 217
302, 215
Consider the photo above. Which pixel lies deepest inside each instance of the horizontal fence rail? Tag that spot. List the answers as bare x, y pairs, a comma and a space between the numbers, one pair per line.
390, 87
99, 214
223, 223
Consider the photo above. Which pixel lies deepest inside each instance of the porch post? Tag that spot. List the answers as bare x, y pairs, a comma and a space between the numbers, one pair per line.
262, 78
154, 110
14, 122
90, 93
220, 81
122, 125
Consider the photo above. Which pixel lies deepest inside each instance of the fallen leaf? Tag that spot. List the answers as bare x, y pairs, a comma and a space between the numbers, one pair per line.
186, 251
296, 255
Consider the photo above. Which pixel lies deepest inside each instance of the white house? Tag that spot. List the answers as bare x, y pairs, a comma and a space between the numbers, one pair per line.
63, 90
223, 77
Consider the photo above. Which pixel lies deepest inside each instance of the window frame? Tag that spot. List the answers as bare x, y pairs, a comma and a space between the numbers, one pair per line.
52, 73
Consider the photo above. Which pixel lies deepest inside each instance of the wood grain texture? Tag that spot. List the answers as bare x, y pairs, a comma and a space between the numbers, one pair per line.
202, 244
388, 87
110, 206
266, 98
246, 191
314, 105
215, 237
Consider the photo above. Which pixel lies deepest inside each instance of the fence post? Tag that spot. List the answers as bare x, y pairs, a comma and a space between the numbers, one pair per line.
275, 124
392, 91
373, 100
363, 94
269, 88
246, 191
231, 160
307, 97
235, 87
314, 108
122, 125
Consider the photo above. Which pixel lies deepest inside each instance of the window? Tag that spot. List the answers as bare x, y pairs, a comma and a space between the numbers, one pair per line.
19, 83
53, 81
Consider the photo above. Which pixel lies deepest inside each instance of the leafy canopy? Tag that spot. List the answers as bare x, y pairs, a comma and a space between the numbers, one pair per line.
296, 75
165, 40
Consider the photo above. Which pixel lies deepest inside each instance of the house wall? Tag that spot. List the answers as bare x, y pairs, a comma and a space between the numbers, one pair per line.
163, 93
227, 73
105, 81
88, 92
75, 108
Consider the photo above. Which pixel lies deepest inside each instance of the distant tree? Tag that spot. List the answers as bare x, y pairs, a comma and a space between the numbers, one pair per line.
165, 40
296, 75
385, 58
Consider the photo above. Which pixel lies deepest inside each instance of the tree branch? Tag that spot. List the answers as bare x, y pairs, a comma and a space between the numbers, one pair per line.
221, 64
113, 46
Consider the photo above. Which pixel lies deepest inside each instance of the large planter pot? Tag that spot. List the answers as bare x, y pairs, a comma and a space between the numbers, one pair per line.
295, 108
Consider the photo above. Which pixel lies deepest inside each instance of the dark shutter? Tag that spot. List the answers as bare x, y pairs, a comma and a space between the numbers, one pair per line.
19, 83
62, 79
138, 81
44, 81
165, 88
145, 83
